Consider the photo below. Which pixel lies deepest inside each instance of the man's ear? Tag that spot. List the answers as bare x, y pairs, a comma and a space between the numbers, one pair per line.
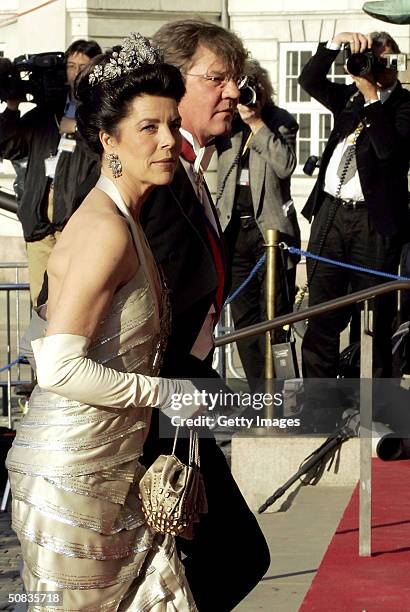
108, 141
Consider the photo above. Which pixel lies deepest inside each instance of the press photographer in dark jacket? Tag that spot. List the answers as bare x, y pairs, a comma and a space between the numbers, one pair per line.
359, 203
57, 163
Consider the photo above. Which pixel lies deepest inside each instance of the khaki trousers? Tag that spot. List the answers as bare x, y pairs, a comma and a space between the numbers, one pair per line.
38, 253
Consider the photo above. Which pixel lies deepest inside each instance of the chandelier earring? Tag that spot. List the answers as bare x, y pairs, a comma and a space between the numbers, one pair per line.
114, 164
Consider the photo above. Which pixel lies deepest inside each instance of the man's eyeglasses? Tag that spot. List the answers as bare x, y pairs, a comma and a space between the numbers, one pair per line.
221, 80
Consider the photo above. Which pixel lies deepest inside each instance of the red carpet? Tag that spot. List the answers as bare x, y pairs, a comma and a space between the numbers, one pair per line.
346, 582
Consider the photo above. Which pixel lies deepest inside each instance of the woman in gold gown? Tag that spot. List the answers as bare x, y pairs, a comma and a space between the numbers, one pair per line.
74, 466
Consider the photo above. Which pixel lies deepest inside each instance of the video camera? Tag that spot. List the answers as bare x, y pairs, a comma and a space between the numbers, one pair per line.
249, 93
362, 64
45, 81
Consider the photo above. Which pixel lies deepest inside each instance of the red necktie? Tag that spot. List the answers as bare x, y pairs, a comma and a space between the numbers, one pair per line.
188, 153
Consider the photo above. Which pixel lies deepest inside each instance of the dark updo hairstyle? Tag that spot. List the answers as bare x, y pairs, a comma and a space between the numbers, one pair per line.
104, 104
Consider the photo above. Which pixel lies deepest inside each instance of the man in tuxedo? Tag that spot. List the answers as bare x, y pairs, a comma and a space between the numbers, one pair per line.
228, 555
359, 202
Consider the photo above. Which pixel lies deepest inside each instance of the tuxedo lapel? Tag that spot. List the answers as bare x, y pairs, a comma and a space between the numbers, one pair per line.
214, 211
187, 200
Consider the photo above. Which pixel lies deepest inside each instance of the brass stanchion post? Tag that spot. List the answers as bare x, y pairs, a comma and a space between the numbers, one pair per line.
271, 254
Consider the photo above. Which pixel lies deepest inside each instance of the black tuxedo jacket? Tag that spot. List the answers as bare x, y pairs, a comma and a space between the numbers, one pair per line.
382, 148
174, 225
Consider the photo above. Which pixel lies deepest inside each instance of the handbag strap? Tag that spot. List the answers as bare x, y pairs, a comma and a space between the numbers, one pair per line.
193, 447
175, 440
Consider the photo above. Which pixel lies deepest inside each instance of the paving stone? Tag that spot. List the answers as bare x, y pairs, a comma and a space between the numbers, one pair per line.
10, 581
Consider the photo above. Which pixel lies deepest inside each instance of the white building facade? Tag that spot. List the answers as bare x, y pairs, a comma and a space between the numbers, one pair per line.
282, 35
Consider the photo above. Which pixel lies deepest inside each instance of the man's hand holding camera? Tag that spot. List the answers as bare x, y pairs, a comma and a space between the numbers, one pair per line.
251, 115
67, 125
358, 42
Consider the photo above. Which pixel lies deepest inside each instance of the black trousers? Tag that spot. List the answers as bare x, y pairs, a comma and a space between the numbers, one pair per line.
405, 295
351, 238
228, 555
245, 245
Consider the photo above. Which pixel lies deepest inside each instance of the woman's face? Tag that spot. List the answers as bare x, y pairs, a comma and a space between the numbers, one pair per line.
148, 141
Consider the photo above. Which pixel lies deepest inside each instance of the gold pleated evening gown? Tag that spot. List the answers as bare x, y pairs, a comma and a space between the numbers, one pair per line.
74, 471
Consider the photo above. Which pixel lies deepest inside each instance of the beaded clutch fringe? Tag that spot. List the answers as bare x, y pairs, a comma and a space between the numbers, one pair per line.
172, 494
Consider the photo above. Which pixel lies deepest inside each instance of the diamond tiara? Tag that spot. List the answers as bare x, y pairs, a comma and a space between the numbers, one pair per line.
135, 51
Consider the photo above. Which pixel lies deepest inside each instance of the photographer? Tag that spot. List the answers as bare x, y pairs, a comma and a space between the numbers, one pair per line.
57, 161
254, 169
359, 203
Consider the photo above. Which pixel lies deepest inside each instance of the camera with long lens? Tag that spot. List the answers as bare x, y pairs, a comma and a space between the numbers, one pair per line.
249, 93
363, 64
39, 78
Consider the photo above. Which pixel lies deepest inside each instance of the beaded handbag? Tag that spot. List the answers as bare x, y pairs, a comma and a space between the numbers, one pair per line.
172, 494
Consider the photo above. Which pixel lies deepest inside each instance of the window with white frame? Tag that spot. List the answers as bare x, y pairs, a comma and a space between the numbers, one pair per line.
314, 119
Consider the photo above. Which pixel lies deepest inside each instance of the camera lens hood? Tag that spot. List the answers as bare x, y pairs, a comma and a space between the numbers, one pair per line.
247, 95
360, 64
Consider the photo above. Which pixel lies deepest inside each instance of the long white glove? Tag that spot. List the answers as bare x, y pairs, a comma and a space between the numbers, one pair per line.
35, 330
64, 368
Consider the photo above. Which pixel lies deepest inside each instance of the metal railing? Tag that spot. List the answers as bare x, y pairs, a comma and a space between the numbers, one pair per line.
312, 311
366, 398
8, 201
18, 312
224, 361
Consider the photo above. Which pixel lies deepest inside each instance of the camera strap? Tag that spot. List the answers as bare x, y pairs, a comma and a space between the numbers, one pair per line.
234, 165
242, 178
351, 152
246, 145
347, 167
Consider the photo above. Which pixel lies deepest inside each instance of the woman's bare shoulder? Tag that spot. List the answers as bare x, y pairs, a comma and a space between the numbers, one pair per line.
98, 213
96, 234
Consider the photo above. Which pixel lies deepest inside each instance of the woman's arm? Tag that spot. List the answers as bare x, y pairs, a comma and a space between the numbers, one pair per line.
93, 274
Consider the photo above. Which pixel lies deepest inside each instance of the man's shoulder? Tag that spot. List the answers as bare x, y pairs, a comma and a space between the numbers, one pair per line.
170, 204
159, 206
224, 143
403, 93
163, 193
39, 117
158, 196
276, 116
